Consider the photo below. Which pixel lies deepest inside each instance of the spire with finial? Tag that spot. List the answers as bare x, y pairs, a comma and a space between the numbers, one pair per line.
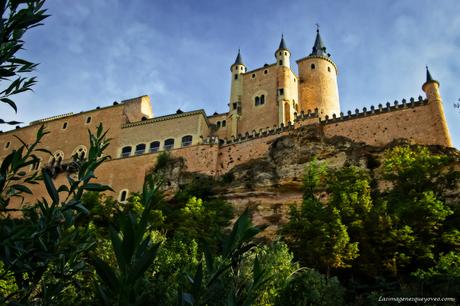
239, 59
282, 44
318, 48
429, 78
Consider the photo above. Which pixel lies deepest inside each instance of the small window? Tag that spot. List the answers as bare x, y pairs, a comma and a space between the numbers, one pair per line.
218, 124
265, 71
154, 146
187, 140
125, 152
224, 123
64, 126
236, 76
235, 105
7, 145
312, 66
262, 99
140, 149
285, 53
241, 68
253, 76
281, 91
88, 120
169, 144
281, 62
281, 53
295, 80
257, 100
123, 195
329, 69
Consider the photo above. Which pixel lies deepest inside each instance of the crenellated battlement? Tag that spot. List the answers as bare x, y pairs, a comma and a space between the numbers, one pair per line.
375, 110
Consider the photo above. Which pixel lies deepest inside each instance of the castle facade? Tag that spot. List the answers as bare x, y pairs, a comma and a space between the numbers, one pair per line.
264, 104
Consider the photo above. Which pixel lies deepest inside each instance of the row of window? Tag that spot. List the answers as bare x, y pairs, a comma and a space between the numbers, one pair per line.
87, 121
155, 146
79, 153
312, 66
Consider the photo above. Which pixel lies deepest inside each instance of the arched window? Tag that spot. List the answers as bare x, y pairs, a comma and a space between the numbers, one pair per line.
312, 66
79, 152
57, 158
140, 149
218, 124
126, 151
88, 120
281, 62
169, 144
224, 123
123, 196
329, 69
187, 140
257, 100
154, 146
262, 99
64, 126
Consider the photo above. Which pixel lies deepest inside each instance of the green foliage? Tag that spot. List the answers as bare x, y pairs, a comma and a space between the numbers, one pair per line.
17, 18
212, 276
408, 236
44, 250
316, 232
14, 180
134, 250
163, 159
308, 287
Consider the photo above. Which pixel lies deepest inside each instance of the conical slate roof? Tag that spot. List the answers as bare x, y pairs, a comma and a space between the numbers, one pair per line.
318, 48
429, 78
282, 44
239, 59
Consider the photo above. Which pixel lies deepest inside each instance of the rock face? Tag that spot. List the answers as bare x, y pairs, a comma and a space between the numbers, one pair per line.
272, 183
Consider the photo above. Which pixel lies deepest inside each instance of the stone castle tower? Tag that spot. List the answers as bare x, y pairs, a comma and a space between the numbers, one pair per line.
318, 81
273, 94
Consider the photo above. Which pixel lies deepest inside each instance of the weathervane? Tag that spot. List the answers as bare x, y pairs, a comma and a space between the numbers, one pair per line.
317, 27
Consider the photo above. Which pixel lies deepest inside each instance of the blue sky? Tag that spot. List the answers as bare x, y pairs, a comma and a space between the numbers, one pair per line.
92, 53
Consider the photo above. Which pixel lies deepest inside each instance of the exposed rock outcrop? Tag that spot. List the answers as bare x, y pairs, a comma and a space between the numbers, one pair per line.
272, 183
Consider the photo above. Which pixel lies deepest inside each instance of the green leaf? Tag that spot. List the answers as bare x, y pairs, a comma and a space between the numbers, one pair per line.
97, 187
106, 274
50, 187
10, 103
21, 188
143, 263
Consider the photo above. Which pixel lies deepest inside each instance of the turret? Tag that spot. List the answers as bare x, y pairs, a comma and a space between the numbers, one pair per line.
318, 81
236, 92
283, 54
439, 123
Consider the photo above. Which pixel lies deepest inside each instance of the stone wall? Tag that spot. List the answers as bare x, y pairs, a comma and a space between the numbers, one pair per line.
413, 120
254, 116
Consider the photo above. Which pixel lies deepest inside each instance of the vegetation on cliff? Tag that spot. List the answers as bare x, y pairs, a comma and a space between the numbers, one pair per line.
353, 239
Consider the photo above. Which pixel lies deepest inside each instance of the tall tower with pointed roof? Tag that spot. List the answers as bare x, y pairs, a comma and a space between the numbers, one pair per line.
283, 54
439, 123
318, 81
236, 91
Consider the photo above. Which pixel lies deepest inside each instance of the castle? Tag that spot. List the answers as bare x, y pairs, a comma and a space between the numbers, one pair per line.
264, 104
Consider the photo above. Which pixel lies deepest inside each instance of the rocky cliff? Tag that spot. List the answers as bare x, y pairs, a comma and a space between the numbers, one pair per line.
272, 183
